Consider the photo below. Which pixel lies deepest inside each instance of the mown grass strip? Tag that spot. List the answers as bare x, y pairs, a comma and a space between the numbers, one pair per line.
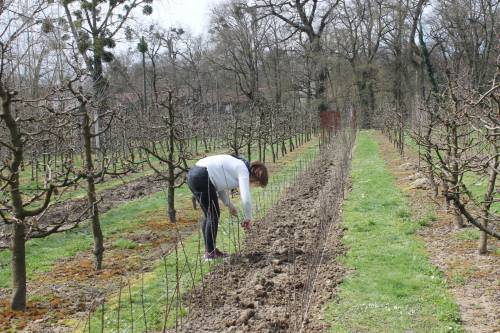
393, 286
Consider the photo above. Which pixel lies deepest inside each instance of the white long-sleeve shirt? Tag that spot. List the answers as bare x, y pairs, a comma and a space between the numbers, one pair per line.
226, 173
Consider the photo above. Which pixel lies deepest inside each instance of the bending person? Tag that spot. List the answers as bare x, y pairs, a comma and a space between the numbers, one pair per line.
211, 178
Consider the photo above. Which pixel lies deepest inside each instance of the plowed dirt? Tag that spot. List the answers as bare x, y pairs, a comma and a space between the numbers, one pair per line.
288, 269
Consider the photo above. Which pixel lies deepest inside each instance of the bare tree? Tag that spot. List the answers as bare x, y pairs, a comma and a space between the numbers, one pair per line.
167, 143
24, 122
362, 26
93, 26
309, 17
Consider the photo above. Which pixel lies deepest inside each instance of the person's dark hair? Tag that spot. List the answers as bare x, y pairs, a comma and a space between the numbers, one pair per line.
258, 171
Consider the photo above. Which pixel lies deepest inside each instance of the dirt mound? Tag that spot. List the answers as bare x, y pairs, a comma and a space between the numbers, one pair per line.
288, 268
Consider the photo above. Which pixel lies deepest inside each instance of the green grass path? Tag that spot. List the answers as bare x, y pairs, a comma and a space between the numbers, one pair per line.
393, 287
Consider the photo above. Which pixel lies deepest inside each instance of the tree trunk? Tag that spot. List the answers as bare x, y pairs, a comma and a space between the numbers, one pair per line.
264, 153
483, 238
205, 145
18, 301
459, 221
249, 151
259, 147
171, 204
445, 192
171, 166
488, 200
18, 261
99, 87
144, 89
91, 193
366, 93
320, 72
272, 151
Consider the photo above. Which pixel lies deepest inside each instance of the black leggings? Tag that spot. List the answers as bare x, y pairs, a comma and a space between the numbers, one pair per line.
205, 193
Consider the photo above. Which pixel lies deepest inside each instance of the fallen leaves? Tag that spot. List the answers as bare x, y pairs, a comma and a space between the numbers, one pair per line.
12, 321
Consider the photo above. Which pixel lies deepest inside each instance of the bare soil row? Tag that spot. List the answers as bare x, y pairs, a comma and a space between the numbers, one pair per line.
288, 268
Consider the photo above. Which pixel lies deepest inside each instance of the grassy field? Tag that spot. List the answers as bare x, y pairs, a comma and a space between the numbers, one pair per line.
393, 287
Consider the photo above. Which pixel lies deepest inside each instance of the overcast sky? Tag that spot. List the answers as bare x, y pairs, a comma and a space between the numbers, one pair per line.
189, 14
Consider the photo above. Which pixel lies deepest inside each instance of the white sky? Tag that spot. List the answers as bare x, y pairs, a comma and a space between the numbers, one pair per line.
192, 15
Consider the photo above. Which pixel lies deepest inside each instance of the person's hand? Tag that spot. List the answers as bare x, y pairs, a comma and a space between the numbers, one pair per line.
246, 224
233, 211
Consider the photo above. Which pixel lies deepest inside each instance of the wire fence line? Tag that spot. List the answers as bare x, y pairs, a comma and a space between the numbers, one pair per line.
331, 197
134, 306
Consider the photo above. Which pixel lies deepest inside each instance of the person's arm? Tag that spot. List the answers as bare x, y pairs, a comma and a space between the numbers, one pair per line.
244, 186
